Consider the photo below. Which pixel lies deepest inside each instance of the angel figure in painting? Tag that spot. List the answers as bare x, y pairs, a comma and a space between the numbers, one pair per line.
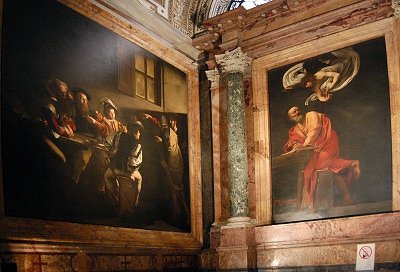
323, 76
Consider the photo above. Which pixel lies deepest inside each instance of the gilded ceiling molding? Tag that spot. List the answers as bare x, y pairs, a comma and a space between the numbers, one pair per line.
234, 61
207, 9
148, 5
218, 7
396, 7
213, 76
179, 13
159, 6
202, 13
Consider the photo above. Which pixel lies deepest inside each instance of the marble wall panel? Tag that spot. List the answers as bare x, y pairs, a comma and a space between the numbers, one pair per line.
208, 259
41, 262
82, 262
334, 231
248, 94
343, 254
306, 244
232, 259
223, 133
242, 237
307, 256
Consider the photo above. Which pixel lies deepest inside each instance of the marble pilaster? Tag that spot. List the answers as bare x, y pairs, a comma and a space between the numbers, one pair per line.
233, 64
217, 110
213, 76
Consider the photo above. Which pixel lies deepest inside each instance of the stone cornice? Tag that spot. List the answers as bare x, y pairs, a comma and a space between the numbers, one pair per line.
252, 29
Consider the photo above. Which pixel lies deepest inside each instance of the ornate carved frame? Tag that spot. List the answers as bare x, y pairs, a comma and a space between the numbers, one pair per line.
16, 233
390, 30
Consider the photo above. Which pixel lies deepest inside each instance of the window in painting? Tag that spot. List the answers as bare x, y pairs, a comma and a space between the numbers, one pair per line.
139, 74
145, 77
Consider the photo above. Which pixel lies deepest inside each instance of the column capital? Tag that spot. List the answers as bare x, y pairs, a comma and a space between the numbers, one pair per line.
213, 76
396, 7
234, 61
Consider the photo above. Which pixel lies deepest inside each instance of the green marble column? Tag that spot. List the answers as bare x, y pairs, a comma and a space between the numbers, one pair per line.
233, 65
237, 147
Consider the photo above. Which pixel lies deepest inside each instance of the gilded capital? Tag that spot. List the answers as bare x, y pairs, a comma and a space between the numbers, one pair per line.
396, 7
234, 61
213, 76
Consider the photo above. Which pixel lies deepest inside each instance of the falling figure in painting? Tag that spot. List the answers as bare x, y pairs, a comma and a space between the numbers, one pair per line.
314, 130
323, 76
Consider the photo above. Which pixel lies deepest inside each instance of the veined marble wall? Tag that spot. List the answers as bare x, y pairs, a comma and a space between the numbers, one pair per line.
273, 35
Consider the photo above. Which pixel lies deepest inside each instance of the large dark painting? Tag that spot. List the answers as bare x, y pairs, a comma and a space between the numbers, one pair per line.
93, 127
331, 135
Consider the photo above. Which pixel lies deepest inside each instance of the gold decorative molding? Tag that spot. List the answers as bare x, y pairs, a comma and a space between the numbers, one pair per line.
396, 7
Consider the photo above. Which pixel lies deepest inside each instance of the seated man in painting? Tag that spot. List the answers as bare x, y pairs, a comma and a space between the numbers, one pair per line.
313, 130
88, 126
128, 158
85, 119
58, 108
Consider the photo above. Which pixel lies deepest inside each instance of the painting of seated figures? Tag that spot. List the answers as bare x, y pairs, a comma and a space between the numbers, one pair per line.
94, 127
331, 135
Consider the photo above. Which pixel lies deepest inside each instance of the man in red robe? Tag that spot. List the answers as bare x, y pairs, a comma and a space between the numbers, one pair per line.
314, 130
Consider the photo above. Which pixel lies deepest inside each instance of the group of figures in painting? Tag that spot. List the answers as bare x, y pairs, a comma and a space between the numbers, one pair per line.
313, 130
65, 161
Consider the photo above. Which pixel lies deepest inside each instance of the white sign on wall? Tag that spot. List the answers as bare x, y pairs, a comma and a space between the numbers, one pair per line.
365, 257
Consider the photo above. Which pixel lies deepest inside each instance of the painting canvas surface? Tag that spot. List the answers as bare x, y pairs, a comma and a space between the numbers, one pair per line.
90, 132
336, 159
